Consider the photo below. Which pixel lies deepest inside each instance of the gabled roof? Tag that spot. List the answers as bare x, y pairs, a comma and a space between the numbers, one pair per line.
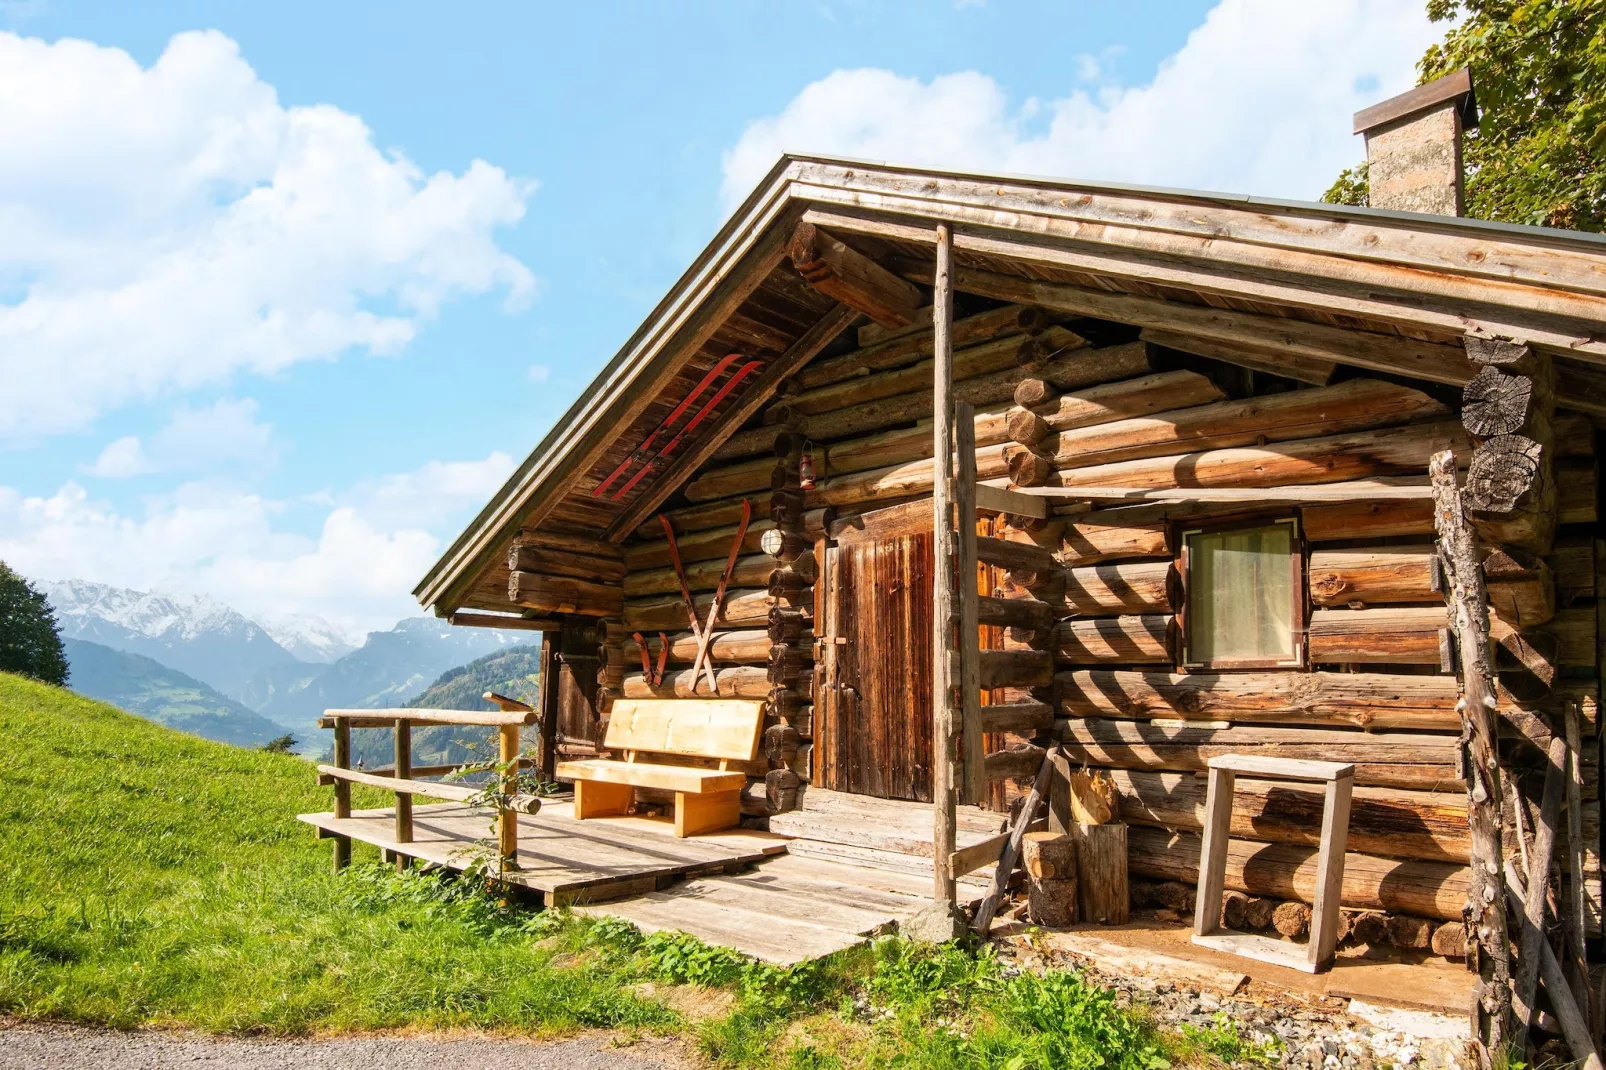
1284, 280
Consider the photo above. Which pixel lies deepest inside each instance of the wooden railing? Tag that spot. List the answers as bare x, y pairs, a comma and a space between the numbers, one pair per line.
511, 716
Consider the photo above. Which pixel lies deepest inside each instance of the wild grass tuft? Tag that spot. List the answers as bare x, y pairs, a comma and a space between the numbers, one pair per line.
1223, 1040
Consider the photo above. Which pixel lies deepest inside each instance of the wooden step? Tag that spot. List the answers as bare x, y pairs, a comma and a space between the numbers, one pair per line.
970, 888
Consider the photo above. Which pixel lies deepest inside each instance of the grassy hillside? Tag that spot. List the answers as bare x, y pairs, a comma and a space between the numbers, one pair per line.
141, 685
149, 877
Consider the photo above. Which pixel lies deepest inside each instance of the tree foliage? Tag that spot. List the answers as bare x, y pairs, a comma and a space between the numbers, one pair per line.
1538, 155
30, 643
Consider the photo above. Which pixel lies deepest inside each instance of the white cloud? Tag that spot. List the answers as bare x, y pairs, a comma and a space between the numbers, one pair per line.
432, 494
120, 459
170, 226
540, 373
1258, 100
372, 546
195, 440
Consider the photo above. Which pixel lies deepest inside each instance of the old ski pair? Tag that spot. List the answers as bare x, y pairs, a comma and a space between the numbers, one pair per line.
704, 632
643, 459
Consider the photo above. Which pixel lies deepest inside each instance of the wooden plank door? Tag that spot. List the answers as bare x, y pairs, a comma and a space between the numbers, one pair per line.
873, 619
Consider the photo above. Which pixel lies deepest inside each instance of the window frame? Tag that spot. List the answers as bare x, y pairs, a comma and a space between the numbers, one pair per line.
1299, 609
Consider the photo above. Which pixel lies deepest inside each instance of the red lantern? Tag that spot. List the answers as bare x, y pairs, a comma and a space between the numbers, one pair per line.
805, 468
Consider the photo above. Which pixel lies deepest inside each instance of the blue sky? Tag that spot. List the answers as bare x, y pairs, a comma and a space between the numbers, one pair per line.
282, 300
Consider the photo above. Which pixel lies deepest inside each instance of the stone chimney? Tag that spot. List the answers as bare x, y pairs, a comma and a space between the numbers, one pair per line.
1413, 145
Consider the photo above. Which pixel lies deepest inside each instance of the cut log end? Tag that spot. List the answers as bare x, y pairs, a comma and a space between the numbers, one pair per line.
1291, 920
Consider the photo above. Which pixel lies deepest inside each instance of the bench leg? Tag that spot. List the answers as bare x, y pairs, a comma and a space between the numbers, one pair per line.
593, 798
707, 812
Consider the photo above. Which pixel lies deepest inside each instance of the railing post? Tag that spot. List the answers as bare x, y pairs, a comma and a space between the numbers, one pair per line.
507, 819
342, 850
404, 801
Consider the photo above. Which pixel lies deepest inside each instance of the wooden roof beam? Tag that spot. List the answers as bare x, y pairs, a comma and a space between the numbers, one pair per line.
1578, 388
844, 273
1375, 294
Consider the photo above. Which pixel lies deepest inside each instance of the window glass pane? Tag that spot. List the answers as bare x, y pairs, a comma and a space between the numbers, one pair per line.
1240, 594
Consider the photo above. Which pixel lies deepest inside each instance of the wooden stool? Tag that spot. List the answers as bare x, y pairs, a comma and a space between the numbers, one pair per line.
1207, 930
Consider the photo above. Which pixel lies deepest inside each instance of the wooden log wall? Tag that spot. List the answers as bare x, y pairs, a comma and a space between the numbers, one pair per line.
1378, 687
1083, 612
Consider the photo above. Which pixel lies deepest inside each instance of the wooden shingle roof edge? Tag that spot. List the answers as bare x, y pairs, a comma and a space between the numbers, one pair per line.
1499, 266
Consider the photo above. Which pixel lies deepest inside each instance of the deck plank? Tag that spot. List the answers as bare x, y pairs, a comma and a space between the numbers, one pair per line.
568, 860
782, 941
784, 910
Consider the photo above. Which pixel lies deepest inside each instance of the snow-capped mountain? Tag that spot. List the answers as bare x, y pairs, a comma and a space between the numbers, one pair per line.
194, 634
312, 638
387, 670
287, 669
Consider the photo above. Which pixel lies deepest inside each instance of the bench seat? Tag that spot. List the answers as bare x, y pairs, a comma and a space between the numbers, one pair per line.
650, 775
704, 730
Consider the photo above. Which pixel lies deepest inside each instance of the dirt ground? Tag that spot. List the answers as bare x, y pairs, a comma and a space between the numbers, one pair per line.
46, 1046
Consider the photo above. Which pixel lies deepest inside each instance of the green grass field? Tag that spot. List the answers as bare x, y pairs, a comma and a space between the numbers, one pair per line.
148, 878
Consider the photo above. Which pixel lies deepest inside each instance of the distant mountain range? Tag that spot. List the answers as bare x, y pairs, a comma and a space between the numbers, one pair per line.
195, 635
311, 638
147, 687
387, 670
282, 672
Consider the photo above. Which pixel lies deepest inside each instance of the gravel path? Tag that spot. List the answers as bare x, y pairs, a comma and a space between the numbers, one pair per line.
37, 1046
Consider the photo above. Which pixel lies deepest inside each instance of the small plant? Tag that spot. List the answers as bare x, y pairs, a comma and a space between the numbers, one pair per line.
497, 792
925, 978
808, 1057
1223, 1039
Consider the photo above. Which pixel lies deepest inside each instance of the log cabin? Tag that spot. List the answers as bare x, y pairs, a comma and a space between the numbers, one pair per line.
1189, 513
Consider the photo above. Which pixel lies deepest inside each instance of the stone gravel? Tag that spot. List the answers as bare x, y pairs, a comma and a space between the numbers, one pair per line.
46, 1046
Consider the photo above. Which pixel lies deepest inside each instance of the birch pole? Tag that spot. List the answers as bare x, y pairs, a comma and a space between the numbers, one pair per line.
1488, 946
942, 580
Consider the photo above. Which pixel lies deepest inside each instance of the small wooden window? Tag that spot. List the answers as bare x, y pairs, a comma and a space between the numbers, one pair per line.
1243, 604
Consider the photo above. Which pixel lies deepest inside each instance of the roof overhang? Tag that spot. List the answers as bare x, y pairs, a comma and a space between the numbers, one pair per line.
1426, 280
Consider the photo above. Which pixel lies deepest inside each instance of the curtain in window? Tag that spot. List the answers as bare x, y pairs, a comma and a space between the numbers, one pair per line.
1240, 595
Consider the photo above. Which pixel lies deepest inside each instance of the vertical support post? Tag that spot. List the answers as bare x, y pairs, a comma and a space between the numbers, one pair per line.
1329, 870
342, 851
547, 703
507, 819
404, 801
974, 782
1577, 958
1488, 942
942, 581
1213, 852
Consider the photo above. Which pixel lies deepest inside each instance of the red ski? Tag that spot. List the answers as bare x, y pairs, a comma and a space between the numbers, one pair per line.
691, 425
642, 454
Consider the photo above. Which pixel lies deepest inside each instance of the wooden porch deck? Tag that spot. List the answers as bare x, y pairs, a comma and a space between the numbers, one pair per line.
833, 873
840, 870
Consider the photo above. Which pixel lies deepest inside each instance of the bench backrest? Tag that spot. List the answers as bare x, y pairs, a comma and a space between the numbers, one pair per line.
708, 728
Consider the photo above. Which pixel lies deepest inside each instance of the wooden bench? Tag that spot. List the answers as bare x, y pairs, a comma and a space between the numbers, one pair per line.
713, 730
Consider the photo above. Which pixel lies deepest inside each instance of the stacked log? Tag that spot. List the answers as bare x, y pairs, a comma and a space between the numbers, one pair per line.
1049, 859
1017, 680
1509, 408
1360, 404
791, 648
